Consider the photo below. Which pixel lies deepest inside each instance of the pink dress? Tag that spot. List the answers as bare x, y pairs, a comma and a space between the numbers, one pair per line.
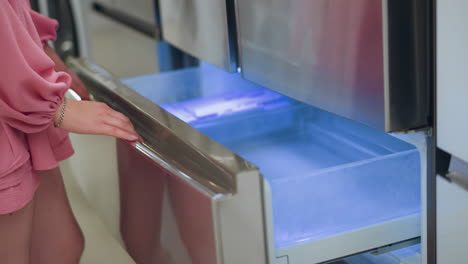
30, 93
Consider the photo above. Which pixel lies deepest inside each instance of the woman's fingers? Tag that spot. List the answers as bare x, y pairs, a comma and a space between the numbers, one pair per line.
86, 117
119, 115
126, 125
113, 131
123, 125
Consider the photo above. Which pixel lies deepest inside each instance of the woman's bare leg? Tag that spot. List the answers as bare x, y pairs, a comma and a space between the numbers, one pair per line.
56, 236
15, 236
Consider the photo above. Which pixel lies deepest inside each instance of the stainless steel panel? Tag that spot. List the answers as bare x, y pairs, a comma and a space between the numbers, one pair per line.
364, 59
452, 65
168, 219
204, 29
164, 219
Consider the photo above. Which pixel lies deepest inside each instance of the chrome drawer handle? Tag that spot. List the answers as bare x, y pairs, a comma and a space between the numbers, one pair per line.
458, 178
458, 172
140, 147
157, 159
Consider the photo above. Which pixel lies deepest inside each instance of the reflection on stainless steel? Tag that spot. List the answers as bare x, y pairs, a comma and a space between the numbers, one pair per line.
204, 29
164, 220
364, 59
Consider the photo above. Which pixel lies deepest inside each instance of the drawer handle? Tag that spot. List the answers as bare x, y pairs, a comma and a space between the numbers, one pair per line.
143, 149
458, 178
140, 147
458, 172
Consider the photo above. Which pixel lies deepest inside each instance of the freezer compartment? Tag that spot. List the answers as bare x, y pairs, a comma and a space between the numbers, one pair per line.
330, 187
327, 175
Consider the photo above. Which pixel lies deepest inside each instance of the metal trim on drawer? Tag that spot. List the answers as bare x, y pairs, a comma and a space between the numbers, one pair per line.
142, 148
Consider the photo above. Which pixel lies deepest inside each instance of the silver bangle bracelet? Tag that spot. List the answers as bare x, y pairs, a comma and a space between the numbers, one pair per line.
62, 113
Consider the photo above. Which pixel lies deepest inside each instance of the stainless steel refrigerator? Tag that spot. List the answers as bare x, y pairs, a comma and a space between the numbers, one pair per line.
305, 135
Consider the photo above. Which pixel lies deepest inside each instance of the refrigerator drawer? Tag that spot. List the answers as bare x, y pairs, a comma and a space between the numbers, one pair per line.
329, 182
326, 175
286, 181
365, 60
167, 217
204, 29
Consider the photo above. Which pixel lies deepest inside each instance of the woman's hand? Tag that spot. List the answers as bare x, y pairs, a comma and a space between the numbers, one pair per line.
86, 117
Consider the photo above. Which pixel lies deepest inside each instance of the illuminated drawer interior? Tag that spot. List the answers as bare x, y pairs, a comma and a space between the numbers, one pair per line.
328, 175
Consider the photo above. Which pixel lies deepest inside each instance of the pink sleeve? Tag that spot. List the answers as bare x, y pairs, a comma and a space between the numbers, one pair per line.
30, 89
46, 27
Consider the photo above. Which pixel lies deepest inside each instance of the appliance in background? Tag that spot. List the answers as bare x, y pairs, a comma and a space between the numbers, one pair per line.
109, 37
451, 132
100, 29
72, 37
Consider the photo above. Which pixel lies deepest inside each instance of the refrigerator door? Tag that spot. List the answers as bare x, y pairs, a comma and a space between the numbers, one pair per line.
169, 217
364, 59
452, 65
452, 112
204, 29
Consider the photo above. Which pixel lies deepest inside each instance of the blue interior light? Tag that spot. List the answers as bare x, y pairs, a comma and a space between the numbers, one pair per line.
327, 174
